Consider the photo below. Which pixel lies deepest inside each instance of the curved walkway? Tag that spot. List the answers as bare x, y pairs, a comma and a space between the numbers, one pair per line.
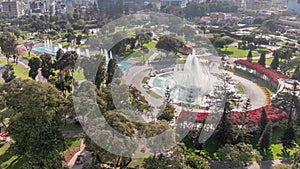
251, 90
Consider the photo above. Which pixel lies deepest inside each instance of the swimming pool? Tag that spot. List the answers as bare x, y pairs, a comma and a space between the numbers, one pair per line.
124, 65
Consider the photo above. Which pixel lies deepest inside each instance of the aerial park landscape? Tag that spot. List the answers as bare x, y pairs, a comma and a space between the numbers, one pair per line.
148, 90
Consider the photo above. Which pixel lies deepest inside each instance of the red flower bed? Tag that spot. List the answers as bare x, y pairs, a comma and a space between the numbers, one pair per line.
274, 114
271, 74
4, 134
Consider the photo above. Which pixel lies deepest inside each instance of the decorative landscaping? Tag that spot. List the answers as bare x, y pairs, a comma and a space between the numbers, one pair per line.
234, 51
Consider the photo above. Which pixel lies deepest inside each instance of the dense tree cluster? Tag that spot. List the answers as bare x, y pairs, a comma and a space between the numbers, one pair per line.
35, 129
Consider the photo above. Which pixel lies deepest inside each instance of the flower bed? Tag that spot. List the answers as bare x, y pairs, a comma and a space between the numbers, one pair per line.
271, 74
274, 114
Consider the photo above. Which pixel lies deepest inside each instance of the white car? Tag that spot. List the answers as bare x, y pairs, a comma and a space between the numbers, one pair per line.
146, 86
152, 74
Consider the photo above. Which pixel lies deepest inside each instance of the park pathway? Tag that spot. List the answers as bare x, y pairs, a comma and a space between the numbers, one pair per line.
251, 90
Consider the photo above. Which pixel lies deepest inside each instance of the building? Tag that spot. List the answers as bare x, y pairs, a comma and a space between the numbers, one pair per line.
13, 8
294, 5
181, 3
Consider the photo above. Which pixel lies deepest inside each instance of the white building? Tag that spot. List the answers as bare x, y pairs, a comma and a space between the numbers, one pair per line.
294, 5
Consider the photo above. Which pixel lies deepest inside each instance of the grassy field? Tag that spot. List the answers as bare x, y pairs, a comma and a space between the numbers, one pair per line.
78, 74
145, 79
153, 94
240, 89
275, 151
7, 158
233, 51
268, 61
150, 45
72, 142
140, 56
20, 70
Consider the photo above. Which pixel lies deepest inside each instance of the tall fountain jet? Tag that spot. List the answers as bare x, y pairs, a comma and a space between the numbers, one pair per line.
193, 82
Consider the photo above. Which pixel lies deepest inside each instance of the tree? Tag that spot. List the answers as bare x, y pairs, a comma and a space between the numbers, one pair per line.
47, 66
265, 139
101, 73
225, 132
196, 162
263, 121
8, 44
143, 38
78, 39
275, 63
9, 73
249, 57
166, 112
262, 59
176, 160
296, 74
288, 137
35, 129
111, 68
238, 155
29, 45
296, 160
34, 64
67, 61
169, 44
119, 122
246, 122
219, 42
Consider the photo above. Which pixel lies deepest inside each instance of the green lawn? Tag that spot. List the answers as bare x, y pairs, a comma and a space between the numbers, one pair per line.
78, 74
180, 61
20, 70
153, 94
7, 158
145, 79
275, 151
140, 55
72, 142
240, 89
233, 51
150, 45
268, 61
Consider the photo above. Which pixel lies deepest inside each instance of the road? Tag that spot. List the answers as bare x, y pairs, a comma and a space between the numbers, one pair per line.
251, 90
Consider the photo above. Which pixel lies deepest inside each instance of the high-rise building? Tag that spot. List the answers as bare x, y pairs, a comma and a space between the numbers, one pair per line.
294, 5
13, 8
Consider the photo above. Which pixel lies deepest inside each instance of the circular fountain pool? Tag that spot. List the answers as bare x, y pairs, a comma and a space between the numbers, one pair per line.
188, 83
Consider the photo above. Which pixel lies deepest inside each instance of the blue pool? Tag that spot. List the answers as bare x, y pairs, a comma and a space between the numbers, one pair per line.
41, 49
124, 65
52, 51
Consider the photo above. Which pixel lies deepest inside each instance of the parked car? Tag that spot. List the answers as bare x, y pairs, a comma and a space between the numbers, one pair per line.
146, 86
151, 74
79, 160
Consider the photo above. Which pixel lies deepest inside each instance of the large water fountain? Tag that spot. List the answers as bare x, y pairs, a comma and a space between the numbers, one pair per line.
188, 83
51, 49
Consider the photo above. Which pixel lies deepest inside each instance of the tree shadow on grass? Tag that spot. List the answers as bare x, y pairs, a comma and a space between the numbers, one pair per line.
284, 153
229, 53
267, 155
8, 159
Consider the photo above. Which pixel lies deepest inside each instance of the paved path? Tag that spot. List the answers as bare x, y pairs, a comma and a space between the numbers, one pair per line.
82, 151
251, 90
